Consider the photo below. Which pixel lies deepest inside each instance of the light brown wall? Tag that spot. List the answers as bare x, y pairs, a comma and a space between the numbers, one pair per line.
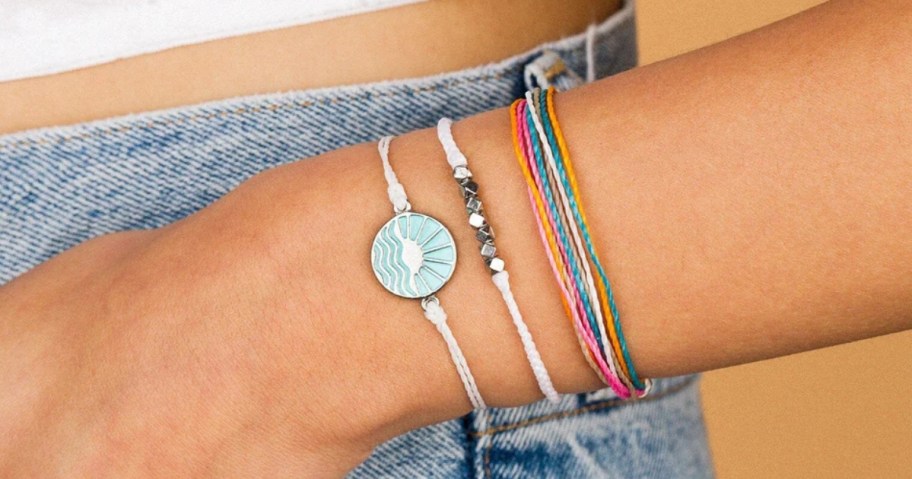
840, 412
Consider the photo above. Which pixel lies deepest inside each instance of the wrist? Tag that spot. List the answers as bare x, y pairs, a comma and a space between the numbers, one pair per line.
477, 314
391, 370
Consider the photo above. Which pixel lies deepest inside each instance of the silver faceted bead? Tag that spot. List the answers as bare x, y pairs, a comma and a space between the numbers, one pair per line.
496, 265
461, 173
488, 250
476, 220
473, 205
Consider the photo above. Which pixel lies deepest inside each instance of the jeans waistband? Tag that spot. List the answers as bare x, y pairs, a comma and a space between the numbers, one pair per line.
62, 185
602, 51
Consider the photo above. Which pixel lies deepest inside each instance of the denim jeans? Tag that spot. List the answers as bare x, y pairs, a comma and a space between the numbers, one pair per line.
61, 186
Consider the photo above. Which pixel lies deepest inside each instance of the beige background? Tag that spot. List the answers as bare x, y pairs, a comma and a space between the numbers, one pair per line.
839, 412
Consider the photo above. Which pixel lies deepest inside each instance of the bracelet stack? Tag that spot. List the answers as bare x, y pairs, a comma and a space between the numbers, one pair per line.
555, 199
414, 255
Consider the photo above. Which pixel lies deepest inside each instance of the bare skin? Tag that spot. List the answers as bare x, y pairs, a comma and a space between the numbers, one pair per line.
753, 199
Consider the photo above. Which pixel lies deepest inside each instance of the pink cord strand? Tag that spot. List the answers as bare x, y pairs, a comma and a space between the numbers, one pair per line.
572, 293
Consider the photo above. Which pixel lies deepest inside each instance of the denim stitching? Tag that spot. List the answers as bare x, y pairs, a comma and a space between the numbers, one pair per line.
487, 458
597, 406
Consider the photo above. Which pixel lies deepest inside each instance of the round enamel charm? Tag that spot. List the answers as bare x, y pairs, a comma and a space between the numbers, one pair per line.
413, 255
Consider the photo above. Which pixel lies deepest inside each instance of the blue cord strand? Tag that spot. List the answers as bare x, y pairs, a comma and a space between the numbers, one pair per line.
539, 160
559, 160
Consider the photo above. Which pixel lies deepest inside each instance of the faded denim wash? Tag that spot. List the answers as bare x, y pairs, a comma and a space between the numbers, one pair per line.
61, 186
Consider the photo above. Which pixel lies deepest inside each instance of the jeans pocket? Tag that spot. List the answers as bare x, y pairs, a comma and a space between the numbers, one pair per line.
662, 435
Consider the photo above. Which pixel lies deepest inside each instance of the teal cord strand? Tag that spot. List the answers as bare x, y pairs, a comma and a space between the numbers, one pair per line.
540, 163
559, 160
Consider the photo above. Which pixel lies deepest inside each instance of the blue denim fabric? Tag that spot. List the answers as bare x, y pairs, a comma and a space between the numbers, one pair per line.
61, 186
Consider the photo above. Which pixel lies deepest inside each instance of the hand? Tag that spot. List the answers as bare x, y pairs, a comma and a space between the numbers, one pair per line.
253, 338
248, 339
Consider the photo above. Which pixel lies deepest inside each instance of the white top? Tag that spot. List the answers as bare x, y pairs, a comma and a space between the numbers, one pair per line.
41, 37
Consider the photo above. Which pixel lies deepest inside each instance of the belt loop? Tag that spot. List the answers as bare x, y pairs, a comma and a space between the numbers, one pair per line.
549, 69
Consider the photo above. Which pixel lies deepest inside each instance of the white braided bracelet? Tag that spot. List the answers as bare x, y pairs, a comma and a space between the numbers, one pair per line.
413, 256
485, 235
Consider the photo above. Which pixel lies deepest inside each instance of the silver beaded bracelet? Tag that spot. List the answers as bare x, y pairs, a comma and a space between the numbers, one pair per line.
484, 233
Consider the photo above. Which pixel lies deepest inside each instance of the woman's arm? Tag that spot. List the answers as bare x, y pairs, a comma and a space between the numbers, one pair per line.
750, 200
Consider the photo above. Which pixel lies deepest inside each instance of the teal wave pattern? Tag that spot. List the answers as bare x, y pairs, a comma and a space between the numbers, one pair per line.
413, 255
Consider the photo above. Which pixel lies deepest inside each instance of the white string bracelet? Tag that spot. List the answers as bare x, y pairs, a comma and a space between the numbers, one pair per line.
413, 256
485, 235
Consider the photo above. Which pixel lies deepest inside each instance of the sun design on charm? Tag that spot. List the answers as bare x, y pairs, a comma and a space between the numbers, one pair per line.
413, 255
